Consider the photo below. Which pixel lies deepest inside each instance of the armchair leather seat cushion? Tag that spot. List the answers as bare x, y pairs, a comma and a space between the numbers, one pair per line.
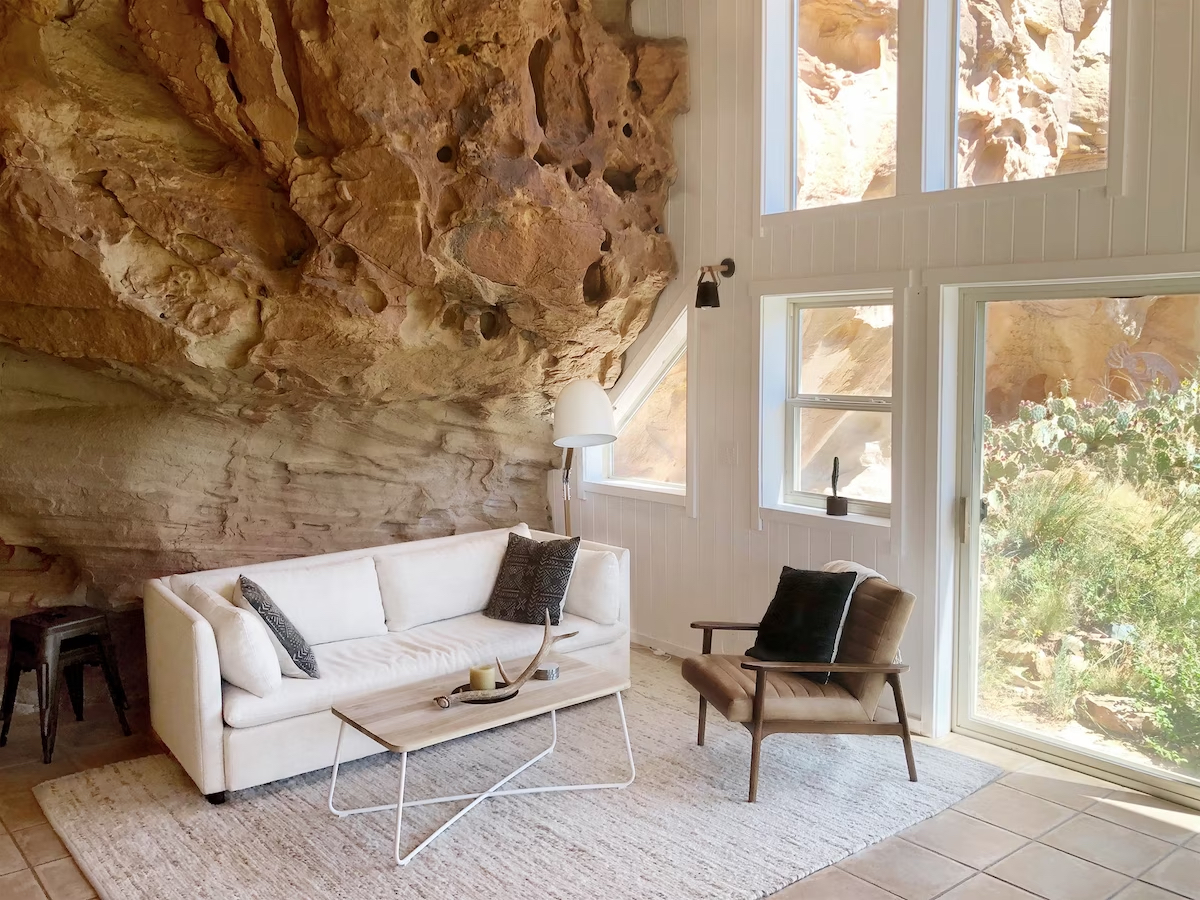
723, 682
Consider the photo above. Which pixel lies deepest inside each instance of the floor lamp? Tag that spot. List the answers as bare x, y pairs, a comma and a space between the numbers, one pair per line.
583, 417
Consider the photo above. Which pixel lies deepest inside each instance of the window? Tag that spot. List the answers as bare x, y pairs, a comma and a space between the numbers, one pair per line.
839, 402
830, 105
652, 445
1005, 92
650, 452
1033, 89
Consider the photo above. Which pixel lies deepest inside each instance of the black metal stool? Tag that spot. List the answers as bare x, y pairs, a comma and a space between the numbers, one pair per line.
57, 643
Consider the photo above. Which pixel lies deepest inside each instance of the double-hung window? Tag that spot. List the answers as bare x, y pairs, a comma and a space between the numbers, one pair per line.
839, 402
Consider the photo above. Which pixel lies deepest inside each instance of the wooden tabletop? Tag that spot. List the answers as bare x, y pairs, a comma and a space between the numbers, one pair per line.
407, 718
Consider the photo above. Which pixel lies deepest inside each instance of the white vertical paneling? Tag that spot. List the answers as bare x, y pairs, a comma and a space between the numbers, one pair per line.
802, 249
866, 250
998, 231
1062, 218
891, 241
972, 222
718, 564
1029, 220
1095, 224
845, 237
1169, 133
822, 248
943, 235
916, 237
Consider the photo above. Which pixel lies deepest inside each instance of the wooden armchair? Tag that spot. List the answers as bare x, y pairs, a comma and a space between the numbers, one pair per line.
775, 698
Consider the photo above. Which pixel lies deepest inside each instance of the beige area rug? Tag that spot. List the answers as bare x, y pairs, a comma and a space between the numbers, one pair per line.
140, 829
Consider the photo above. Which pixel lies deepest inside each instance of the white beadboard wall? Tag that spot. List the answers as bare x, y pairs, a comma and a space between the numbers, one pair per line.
720, 564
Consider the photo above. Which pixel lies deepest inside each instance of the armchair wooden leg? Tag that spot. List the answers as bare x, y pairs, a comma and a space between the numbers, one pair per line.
902, 713
760, 691
703, 717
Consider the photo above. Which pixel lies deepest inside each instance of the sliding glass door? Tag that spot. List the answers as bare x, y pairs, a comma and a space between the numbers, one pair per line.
1080, 617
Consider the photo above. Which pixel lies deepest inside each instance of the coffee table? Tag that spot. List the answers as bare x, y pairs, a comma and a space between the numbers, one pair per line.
407, 719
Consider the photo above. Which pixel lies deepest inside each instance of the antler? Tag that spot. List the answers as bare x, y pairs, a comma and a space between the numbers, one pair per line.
511, 687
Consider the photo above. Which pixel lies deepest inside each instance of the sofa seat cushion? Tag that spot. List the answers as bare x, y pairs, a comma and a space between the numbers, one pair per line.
352, 668
723, 682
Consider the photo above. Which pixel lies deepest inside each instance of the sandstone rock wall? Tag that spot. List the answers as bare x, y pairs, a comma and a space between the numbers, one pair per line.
283, 276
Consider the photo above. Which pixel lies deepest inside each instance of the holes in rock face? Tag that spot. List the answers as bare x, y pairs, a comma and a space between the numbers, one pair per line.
621, 182
343, 256
606, 245
627, 130
595, 285
635, 89
583, 169
257, 143
491, 324
431, 37
263, 292
162, 315
415, 76
374, 32
464, 50
222, 49
538, 57
232, 82
544, 157
445, 154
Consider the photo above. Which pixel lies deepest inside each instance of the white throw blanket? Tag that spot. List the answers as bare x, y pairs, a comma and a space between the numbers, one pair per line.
861, 574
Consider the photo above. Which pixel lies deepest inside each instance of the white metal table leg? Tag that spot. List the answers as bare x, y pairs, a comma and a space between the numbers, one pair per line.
477, 797
400, 810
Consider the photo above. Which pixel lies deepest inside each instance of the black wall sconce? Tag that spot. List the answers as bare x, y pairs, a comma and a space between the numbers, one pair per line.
706, 288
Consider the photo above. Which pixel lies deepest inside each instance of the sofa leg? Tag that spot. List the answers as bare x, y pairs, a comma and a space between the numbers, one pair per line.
703, 717
216, 799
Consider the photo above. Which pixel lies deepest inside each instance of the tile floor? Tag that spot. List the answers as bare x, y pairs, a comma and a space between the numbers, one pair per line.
1038, 832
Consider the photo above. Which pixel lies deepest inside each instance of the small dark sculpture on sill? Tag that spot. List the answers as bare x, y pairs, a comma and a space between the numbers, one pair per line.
835, 505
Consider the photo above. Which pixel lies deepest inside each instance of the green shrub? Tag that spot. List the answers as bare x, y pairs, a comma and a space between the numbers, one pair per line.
1095, 522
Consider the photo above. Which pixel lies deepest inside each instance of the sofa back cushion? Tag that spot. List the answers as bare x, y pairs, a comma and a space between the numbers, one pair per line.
595, 590
427, 581
331, 602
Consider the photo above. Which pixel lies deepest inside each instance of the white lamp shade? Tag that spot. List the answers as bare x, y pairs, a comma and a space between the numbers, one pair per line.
583, 416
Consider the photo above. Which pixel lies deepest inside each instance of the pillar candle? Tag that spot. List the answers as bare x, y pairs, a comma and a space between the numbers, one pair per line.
483, 678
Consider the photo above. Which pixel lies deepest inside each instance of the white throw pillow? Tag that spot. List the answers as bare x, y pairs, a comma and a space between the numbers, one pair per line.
595, 589
441, 578
333, 602
244, 651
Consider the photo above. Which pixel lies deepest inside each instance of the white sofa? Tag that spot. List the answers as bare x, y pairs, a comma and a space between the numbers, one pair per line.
433, 592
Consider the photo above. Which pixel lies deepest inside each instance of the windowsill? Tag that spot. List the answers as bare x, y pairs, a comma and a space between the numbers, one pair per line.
790, 512
1075, 181
675, 495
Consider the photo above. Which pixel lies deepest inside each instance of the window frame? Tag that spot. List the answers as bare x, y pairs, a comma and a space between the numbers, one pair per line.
796, 400
926, 115
629, 397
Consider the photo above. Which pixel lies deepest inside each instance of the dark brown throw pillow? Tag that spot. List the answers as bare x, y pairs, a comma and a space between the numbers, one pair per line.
533, 578
804, 621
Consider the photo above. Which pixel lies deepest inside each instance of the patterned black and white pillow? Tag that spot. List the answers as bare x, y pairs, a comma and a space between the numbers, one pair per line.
296, 659
533, 578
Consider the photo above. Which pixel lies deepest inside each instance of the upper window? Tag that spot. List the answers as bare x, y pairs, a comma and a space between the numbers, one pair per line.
1033, 89
831, 77
839, 402
1024, 95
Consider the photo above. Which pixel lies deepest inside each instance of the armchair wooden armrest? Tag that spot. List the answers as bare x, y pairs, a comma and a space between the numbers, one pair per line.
710, 627
854, 668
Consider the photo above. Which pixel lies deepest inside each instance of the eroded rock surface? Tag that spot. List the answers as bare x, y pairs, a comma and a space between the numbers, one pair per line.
282, 276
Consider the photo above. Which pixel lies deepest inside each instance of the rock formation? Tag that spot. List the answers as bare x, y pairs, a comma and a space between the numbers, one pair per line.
280, 277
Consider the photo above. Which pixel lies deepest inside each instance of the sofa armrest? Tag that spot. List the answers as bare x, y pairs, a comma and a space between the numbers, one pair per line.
185, 686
